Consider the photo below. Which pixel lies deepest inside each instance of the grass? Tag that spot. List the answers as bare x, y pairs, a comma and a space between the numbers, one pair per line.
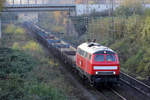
26, 72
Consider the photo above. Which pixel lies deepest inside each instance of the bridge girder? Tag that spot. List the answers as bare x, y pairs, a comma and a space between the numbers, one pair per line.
38, 7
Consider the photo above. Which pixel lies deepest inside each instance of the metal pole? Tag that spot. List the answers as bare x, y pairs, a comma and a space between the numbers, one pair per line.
0, 28
28, 2
87, 12
144, 3
73, 1
13, 2
42, 1
20, 1
113, 19
35, 1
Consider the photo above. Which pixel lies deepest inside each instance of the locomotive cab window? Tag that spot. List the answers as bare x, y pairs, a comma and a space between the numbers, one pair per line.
86, 55
79, 51
90, 56
99, 58
110, 58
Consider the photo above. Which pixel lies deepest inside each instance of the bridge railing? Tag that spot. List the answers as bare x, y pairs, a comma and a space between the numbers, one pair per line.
14, 2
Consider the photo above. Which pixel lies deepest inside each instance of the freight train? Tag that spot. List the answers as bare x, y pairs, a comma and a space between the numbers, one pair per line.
93, 62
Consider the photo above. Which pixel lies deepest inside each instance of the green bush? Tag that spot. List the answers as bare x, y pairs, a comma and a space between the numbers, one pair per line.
42, 91
10, 29
15, 61
19, 31
14, 65
32, 46
16, 46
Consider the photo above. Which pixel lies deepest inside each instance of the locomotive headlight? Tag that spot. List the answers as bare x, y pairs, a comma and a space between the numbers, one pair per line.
96, 72
114, 73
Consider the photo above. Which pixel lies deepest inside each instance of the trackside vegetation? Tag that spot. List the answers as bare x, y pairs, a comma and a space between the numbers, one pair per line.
26, 73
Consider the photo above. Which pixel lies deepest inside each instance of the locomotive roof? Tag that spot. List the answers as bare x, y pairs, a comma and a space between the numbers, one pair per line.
92, 47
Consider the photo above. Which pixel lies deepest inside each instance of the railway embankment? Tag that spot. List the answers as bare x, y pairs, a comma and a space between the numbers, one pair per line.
26, 72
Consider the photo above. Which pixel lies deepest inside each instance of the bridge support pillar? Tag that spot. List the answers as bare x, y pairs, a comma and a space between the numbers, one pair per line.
70, 28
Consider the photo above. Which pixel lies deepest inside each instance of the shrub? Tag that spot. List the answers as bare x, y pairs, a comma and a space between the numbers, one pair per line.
15, 61
44, 91
10, 29
32, 46
19, 31
16, 46
14, 66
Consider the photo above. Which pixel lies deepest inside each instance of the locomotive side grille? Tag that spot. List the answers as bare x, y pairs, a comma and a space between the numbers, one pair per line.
105, 68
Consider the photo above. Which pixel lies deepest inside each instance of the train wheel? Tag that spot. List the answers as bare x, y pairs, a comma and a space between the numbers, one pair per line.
76, 71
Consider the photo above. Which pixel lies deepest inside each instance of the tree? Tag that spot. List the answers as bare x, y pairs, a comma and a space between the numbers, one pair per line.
57, 16
131, 3
146, 30
78, 1
1, 4
85, 1
130, 7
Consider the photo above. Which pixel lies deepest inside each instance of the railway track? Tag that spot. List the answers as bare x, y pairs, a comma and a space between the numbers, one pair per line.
138, 85
121, 97
128, 80
111, 94
103, 92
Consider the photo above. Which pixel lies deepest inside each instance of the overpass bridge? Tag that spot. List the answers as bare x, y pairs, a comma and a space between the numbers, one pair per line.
13, 6
38, 7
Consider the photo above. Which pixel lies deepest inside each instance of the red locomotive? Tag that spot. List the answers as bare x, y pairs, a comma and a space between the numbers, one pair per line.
97, 63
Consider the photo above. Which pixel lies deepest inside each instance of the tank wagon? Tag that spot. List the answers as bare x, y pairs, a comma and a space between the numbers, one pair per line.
92, 61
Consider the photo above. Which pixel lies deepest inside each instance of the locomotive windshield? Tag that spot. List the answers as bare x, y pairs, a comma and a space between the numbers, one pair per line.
99, 58
104, 57
110, 58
